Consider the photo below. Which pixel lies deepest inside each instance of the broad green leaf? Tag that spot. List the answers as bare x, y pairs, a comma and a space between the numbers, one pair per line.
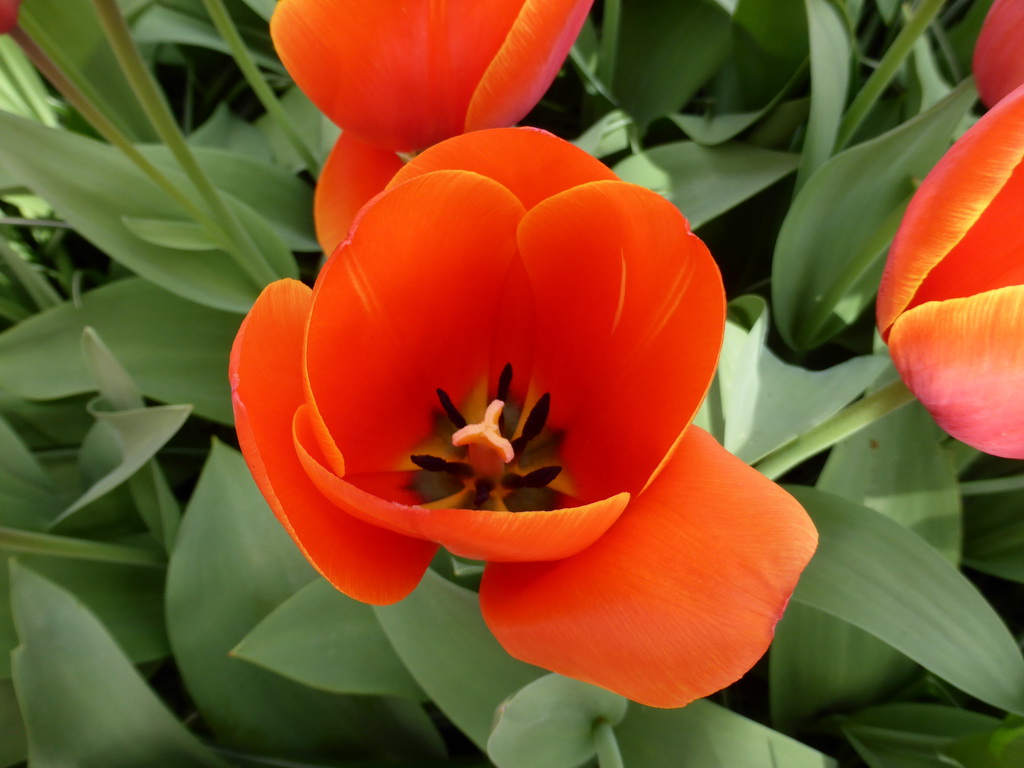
316, 130
1000, 748
667, 51
13, 741
441, 637
82, 700
771, 44
28, 497
21, 88
265, 8
226, 130
176, 351
551, 722
843, 219
607, 136
928, 86
113, 382
994, 534
705, 735
324, 639
704, 182
107, 188
830, 73
179, 235
766, 402
877, 575
231, 566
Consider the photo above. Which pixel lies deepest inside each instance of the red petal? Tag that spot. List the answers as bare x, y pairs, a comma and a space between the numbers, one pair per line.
678, 599
409, 303
960, 215
998, 64
527, 62
532, 164
630, 312
399, 75
475, 534
363, 561
354, 172
964, 359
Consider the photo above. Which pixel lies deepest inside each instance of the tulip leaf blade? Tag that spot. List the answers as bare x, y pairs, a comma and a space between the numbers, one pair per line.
875, 574
551, 722
705, 182
994, 534
441, 637
231, 565
13, 739
845, 216
82, 700
327, 640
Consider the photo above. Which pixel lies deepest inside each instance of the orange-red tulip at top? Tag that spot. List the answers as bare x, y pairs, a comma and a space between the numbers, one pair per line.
951, 302
505, 362
8, 15
999, 53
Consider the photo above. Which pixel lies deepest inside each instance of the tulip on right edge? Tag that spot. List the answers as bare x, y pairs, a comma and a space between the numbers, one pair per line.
951, 301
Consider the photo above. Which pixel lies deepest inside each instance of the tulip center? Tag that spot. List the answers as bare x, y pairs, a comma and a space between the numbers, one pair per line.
488, 469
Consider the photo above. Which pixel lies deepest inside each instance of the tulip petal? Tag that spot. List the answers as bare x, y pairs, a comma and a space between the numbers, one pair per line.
679, 599
354, 172
955, 227
363, 561
527, 62
477, 534
531, 163
963, 359
409, 303
631, 312
399, 75
998, 64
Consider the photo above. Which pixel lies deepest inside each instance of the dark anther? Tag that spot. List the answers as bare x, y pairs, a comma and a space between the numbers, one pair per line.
504, 382
449, 408
483, 491
540, 477
437, 464
534, 423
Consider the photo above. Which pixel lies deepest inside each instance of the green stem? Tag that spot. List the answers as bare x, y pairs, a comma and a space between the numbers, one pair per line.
851, 419
227, 29
608, 754
609, 42
32, 543
887, 69
996, 485
235, 240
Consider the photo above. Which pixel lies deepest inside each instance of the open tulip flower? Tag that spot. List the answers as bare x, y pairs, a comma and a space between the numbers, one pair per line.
503, 358
951, 302
999, 53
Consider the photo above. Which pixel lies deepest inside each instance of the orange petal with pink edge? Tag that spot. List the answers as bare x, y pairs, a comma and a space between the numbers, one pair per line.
527, 62
678, 600
531, 163
399, 75
631, 313
998, 64
964, 360
354, 173
958, 216
409, 303
363, 561
477, 534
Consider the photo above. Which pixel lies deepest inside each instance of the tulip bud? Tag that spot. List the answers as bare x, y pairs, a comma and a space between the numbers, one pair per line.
999, 53
8, 15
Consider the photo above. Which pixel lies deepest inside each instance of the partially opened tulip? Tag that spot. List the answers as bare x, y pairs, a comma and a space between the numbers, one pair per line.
951, 302
999, 53
506, 362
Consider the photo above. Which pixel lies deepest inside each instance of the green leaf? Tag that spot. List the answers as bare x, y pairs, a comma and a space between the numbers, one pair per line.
994, 534
176, 351
179, 235
667, 51
324, 639
28, 497
846, 214
551, 722
13, 741
704, 182
441, 637
22, 90
231, 566
82, 700
771, 44
705, 735
877, 575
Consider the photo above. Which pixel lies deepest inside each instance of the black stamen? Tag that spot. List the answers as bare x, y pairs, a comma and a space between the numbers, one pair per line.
437, 464
512, 481
452, 412
483, 491
541, 477
504, 382
534, 422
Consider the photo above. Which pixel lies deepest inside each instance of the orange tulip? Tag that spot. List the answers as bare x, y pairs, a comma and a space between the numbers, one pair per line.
999, 53
405, 74
951, 302
8, 15
506, 362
